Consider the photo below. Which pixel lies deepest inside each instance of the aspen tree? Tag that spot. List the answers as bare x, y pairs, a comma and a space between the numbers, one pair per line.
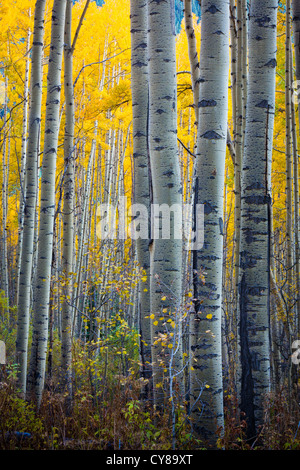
205, 324
238, 111
255, 212
68, 205
289, 184
233, 62
141, 177
292, 190
296, 37
82, 236
23, 162
193, 54
165, 253
295, 197
4, 186
288, 156
238, 27
47, 204
30, 193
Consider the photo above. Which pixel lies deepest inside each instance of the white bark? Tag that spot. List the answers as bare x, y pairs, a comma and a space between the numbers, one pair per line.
47, 205
141, 182
205, 324
23, 163
26, 256
288, 156
4, 184
255, 211
68, 207
296, 35
165, 254
193, 55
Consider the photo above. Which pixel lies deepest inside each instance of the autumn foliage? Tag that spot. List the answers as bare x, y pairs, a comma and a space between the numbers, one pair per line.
110, 407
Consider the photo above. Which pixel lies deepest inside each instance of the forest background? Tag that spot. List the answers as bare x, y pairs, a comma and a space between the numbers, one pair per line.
75, 374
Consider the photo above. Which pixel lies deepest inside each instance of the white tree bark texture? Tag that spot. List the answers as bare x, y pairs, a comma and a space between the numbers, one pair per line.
254, 286
141, 184
47, 204
30, 190
206, 386
165, 253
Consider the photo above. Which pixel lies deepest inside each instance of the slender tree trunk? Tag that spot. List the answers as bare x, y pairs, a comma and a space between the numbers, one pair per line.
5, 176
296, 36
233, 65
47, 208
23, 165
255, 213
193, 54
77, 299
165, 253
238, 138
288, 156
240, 119
68, 208
30, 190
141, 177
206, 342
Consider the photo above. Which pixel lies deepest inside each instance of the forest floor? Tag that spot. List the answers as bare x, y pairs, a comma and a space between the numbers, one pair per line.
118, 419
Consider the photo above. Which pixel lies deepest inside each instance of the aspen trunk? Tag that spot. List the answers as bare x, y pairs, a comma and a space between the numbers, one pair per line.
47, 205
296, 35
4, 184
77, 300
68, 207
288, 156
239, 112
205, 324
141, 177
23, 165
30, 190
255, 212
165, 253
193, 55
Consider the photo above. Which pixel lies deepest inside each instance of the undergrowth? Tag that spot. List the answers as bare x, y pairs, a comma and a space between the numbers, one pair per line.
110, 410
120, 419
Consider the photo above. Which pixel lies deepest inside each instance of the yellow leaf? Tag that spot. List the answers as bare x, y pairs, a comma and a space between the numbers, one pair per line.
209, 316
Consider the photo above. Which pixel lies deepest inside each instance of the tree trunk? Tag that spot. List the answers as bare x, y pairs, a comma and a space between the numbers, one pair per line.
165, 253
205, 324
296, 31
47, 207
30, 190
68, 208
141, 177
193, 55
288, 156
255, 213
22, 166
5, 176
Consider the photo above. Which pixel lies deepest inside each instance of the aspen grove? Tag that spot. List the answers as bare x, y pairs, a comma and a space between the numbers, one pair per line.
150, 263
